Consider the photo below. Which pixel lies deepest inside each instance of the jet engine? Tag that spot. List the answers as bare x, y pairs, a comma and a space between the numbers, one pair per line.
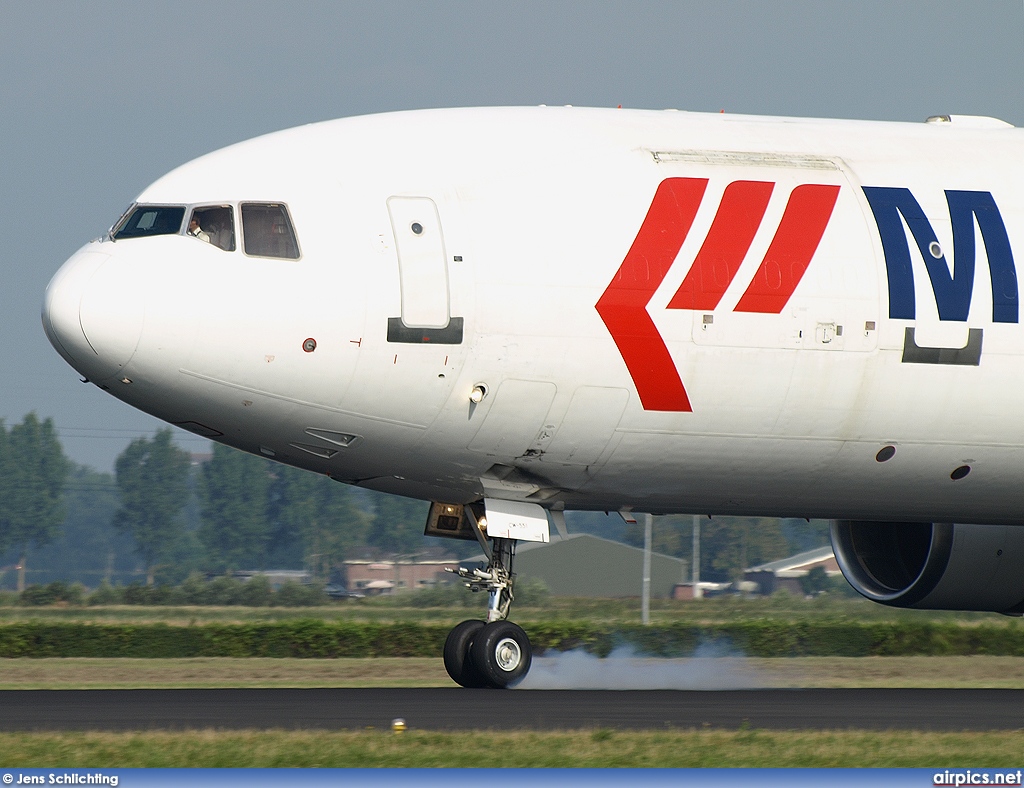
934, 566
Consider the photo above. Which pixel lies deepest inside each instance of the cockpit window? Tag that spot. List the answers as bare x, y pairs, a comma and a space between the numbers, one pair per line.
267, 231
145, 220
213, 224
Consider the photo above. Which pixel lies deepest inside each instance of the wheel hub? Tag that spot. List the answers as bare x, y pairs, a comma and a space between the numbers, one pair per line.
508, 654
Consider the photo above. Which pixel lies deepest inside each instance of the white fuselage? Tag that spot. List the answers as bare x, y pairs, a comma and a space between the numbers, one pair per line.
758, 384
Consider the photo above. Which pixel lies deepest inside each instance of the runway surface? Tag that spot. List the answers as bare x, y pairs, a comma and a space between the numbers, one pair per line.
461, 709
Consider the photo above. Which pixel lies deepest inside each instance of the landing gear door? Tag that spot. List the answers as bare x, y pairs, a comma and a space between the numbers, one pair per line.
422, 263
527, 522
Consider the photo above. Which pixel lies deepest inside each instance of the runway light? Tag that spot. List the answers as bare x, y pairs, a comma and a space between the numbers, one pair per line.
398, 725
478, 393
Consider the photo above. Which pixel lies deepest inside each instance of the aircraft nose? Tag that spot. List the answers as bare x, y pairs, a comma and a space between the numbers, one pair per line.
93, 313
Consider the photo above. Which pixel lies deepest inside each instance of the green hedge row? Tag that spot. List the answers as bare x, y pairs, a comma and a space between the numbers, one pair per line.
315, 638
769, 638
303, 638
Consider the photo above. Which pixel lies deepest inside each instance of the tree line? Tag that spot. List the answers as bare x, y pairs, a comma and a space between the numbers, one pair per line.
33, 470
164, 515
252, 513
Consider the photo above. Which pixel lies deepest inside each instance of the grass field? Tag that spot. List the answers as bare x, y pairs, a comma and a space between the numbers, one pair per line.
886, 672
583, 748
209, 672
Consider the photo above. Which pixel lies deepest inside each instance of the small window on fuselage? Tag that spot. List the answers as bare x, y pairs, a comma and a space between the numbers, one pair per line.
267, 231
145, 220
214, 224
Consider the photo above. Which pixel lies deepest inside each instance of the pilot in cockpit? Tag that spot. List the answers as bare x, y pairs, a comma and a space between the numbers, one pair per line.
196, 231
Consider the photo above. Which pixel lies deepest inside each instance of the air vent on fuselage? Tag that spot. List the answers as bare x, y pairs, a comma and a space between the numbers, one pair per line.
342, 439
317, 451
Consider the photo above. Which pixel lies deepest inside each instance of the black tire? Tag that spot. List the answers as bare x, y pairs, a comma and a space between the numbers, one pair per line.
457, 660
501, 651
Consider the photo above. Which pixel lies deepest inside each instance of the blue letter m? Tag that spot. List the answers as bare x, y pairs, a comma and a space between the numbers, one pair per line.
952, 293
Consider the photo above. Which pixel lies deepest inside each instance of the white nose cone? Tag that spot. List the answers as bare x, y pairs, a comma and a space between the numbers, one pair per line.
112, 312
62, 304
93, 313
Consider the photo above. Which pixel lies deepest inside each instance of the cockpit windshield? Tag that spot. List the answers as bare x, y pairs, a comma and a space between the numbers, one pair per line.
267, 231
213, 224
146, 220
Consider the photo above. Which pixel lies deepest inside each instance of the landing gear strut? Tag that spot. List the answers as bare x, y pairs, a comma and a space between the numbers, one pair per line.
495, 654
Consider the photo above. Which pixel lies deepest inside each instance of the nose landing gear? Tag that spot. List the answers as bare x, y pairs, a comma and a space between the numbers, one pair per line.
496, 653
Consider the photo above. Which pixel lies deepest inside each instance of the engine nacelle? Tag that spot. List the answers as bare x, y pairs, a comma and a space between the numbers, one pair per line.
934, 566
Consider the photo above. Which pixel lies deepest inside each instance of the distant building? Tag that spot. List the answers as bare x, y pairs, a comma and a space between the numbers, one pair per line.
685, 590
589, 566
276, 577
389, 576
786, 572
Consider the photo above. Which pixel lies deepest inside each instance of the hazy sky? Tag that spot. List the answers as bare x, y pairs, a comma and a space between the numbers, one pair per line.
98, 99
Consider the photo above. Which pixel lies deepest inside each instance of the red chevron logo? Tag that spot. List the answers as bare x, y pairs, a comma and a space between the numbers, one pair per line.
623, 305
